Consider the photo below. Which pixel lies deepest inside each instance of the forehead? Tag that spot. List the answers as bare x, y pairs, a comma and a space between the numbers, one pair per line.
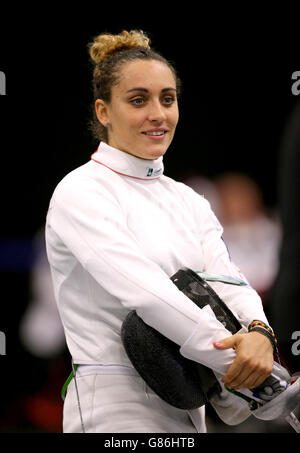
150, 74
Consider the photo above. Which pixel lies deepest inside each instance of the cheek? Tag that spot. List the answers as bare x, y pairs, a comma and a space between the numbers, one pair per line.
174, 118
135, 123
177, 113
173, 114
130, 120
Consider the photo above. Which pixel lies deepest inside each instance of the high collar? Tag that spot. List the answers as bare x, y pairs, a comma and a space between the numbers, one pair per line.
126, 164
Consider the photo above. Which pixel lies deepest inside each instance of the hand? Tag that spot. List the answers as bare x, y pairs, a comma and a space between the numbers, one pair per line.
253, 362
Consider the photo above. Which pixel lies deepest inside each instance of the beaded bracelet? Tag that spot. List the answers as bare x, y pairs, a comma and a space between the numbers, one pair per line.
259, 326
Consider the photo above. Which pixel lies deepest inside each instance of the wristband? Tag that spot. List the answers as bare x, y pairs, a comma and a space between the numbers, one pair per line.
259, 326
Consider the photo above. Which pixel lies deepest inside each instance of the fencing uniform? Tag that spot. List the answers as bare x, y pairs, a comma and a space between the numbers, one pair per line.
117, 229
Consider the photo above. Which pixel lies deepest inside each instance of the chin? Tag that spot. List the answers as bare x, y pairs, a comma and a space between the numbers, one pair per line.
153, 154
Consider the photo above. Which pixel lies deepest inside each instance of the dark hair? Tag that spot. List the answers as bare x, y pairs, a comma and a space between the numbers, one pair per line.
109, 53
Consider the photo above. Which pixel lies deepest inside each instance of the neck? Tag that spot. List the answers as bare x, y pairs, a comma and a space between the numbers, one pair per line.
126, 164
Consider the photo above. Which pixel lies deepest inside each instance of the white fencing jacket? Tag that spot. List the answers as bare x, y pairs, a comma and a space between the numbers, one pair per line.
117, 229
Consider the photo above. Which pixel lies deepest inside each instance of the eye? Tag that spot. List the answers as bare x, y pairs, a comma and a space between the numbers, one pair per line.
168, 100
137, 101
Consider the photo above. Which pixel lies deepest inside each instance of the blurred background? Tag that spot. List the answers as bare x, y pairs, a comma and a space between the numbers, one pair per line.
237, 143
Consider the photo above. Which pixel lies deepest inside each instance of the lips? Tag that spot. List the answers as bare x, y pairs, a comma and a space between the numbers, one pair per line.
155, 133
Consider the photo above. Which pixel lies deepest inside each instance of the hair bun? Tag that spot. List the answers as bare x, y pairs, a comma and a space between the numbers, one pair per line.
104, 45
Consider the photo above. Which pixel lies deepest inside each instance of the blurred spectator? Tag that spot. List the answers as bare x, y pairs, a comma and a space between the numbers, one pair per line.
41, 331
206, 187
251, 234
253, 238
285, 299
41, 334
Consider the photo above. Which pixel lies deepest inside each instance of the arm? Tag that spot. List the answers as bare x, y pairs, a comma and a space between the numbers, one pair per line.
244, 301
254, 352
91, 224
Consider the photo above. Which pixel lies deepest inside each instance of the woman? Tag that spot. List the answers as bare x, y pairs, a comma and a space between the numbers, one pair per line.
117, 229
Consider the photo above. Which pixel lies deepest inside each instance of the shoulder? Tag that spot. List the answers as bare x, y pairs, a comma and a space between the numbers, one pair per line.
81, 183
185, 192
73, 180
196, 203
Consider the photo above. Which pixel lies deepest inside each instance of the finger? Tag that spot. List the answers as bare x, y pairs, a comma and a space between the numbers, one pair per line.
246, 383
260, 379
233, 372
239, 371
256, 382
241, 379
226, 343
260, 374
255, 378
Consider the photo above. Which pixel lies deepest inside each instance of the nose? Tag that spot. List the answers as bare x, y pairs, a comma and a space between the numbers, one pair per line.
156, 112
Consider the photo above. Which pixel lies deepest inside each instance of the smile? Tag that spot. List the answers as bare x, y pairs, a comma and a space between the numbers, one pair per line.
156, 135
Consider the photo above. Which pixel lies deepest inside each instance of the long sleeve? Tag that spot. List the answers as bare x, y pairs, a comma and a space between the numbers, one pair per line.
243, 301
92, 225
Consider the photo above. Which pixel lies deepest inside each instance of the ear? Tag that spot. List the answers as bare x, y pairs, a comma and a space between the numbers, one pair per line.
102, 112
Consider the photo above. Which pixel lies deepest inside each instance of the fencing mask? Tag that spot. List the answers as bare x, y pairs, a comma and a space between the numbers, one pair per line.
181, 382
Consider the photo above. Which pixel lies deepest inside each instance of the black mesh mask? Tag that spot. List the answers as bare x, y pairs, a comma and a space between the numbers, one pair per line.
181, 382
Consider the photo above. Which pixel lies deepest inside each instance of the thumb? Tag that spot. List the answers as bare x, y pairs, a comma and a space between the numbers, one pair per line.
226, 343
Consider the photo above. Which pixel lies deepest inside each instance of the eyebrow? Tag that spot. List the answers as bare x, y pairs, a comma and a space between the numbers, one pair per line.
145, 90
